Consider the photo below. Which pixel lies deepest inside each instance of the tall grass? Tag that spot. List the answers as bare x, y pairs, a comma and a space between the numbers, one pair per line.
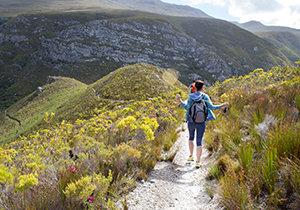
269, 169
286, 138
291, 175
260, 132
245, 157
234, 191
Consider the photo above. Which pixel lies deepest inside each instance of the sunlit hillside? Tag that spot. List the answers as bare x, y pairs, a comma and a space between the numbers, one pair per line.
287, 42
137, 82
119, 88
30, 111
91, 161
14, 7
256, 143
70, 99
95, 157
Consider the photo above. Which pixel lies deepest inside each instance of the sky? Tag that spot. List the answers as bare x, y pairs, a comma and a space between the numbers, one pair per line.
268, 12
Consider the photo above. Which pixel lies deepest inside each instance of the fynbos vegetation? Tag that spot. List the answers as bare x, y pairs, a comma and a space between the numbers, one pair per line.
88, 163
94, 148
257, 143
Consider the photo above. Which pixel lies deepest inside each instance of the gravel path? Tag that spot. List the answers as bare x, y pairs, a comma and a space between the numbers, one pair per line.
175, 185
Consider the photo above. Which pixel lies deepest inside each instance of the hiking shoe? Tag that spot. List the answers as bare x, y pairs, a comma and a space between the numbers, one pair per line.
198, 165
191, 158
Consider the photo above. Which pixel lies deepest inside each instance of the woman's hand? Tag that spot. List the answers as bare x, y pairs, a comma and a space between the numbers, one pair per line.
178, 98
224, 105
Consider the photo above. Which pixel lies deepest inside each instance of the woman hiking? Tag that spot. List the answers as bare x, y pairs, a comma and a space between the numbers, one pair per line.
199, 127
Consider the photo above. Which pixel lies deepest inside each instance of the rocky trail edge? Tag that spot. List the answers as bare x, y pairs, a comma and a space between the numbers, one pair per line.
177, 184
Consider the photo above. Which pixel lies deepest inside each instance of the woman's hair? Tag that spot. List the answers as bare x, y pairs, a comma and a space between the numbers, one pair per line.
199, 84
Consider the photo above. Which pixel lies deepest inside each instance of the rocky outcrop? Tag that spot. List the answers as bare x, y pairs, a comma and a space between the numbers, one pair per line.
39, 90
12, 38
51, 79
130, 42
86, 48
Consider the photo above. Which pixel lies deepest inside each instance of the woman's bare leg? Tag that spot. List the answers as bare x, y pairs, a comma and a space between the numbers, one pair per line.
191, 147
199, 153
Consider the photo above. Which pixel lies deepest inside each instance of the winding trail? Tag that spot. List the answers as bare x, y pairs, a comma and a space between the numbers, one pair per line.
175, 185
12, 118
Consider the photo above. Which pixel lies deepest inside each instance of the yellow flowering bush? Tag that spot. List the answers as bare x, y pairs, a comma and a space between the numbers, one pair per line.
26, 181
5, 175
86, 158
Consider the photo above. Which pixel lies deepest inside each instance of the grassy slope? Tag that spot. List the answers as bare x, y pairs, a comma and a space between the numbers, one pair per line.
134, 81
101, 155
284, 38
287, 42
14, 7
230, 42
31, 109
70, 99
118, 89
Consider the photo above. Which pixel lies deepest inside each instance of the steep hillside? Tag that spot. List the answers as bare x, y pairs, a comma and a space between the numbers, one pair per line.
239, 48
72, 100
93, 161
27, 113
87, 46
13, 7
137, 82
119, 88
286, 39
288, 43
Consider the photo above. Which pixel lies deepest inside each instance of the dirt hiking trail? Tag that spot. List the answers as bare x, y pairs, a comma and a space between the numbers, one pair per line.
175, 185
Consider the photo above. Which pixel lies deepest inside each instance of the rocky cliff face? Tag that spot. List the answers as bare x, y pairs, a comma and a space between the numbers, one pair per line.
124, 41
87, 47
130, 42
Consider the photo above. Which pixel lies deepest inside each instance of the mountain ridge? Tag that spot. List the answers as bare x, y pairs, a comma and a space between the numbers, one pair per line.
13, 7
286, 39
256, 26
87, 46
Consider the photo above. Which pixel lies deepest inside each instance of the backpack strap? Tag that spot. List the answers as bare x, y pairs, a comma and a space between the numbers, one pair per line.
202, 97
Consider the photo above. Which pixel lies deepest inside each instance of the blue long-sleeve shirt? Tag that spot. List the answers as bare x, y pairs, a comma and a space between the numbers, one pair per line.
196, 97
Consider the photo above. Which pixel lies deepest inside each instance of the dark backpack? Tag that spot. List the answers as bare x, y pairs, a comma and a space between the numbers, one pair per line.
198, 111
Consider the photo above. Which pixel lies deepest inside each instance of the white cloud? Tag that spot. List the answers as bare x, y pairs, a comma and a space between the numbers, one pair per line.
213, 2
269, 12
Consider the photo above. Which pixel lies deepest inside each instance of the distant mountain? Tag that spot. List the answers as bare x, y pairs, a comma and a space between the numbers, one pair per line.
255, 26
286, 39
156, 6
89, 45
12, 7
288, 43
